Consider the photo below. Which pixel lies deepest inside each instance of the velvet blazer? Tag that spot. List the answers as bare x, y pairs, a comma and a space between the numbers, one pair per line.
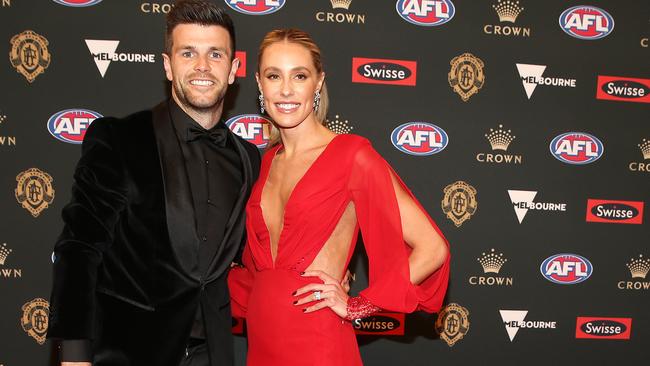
126, 273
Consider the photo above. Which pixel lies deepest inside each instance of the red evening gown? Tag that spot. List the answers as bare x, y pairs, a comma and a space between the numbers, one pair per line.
279, 333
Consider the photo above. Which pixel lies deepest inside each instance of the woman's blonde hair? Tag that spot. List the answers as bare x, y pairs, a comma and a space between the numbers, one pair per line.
302, 38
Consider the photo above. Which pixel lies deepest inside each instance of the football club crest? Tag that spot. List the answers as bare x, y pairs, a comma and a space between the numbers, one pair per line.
29, 54
459, 202
34, 191
466, 76
35, 319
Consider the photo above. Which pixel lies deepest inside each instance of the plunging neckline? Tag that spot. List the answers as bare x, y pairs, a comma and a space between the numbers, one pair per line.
284, 209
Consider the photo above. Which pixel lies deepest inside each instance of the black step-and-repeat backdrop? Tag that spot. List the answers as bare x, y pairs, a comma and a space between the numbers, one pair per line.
522, 126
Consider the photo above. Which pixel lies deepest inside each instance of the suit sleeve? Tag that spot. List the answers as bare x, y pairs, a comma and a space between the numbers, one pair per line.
98, 197
378, 215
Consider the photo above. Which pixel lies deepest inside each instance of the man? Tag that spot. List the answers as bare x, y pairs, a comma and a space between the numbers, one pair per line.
157, 216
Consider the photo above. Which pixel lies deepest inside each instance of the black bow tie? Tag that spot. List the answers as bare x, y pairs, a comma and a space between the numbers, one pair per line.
216, 135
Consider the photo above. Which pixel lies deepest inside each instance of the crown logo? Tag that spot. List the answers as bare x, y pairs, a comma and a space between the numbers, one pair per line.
4, 253
639, 267
340, 4
645, 149
500, 139
338, 127
492, 262
508, 11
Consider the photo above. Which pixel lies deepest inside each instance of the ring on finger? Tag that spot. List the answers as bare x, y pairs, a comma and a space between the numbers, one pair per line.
317, 295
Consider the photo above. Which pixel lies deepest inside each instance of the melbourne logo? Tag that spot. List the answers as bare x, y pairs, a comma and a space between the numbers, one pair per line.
459, 202
523, 201
427, 13
615, 212
514, 320
508, 11
638, 268
70, 125
380, 324
339, 126
419, 138
577, 148
532, 76
338, 15
8, 272
29, 54
78, 3
466, 76
382, 71
104, 51
253, 128
34, 191
499, 139
6, 140
566, 269
623, 89
452, 323
35, 319
256, 7
586, 22
491, 263
603, 328
634, 166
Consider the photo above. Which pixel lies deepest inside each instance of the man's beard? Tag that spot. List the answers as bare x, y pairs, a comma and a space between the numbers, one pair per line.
198, 104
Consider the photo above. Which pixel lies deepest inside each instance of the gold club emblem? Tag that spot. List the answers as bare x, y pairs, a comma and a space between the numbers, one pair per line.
35, 319
452, 323
34, 191
459, 202
466, 76
29, 54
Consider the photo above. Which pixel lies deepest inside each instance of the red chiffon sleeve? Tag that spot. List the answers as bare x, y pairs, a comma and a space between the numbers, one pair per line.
378, 215
240, 282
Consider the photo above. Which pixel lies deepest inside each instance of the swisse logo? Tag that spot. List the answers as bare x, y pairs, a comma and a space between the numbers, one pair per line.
427, 13
78, 3
566, 269
623, 89
615, 212
253, 128
383, 71
382, 323
256, 7
603, 328
70, 125
586, 22
577, 148
419, 138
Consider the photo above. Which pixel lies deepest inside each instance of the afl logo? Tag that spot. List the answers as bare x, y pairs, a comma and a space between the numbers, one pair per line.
586, 22
78, 3
576, 148
566, 269
256, 7
253, 128
70, 125
426, 13
419, 138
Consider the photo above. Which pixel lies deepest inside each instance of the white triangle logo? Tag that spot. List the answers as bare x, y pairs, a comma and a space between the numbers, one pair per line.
526, 71
98, 48
509, 316
518, 197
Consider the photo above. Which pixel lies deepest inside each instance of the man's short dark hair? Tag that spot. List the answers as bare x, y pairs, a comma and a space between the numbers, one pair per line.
198, 12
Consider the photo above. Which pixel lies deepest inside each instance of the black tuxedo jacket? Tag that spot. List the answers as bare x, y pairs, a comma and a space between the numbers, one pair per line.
126, 264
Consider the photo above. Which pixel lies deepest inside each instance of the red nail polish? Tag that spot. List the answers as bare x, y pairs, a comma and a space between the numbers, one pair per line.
303, 310
294, 293
302, 273
295, 302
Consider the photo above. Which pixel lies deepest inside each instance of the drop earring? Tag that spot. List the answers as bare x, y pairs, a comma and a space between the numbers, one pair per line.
261, 98
316, 100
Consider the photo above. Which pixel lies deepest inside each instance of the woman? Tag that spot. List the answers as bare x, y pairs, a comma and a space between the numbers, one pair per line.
315, 190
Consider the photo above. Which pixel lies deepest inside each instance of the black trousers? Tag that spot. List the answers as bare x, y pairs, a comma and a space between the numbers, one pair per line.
196, 354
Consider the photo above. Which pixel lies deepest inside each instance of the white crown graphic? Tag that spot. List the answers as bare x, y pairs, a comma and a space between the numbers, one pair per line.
338, 127
645, 149
4, 253
340, 4
491, 262
500, 139
508, 11
639, 267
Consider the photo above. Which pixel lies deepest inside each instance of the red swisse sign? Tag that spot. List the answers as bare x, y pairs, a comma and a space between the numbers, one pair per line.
241, 71
380, 324
382, 71
603, 328
615, 212
623, 89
